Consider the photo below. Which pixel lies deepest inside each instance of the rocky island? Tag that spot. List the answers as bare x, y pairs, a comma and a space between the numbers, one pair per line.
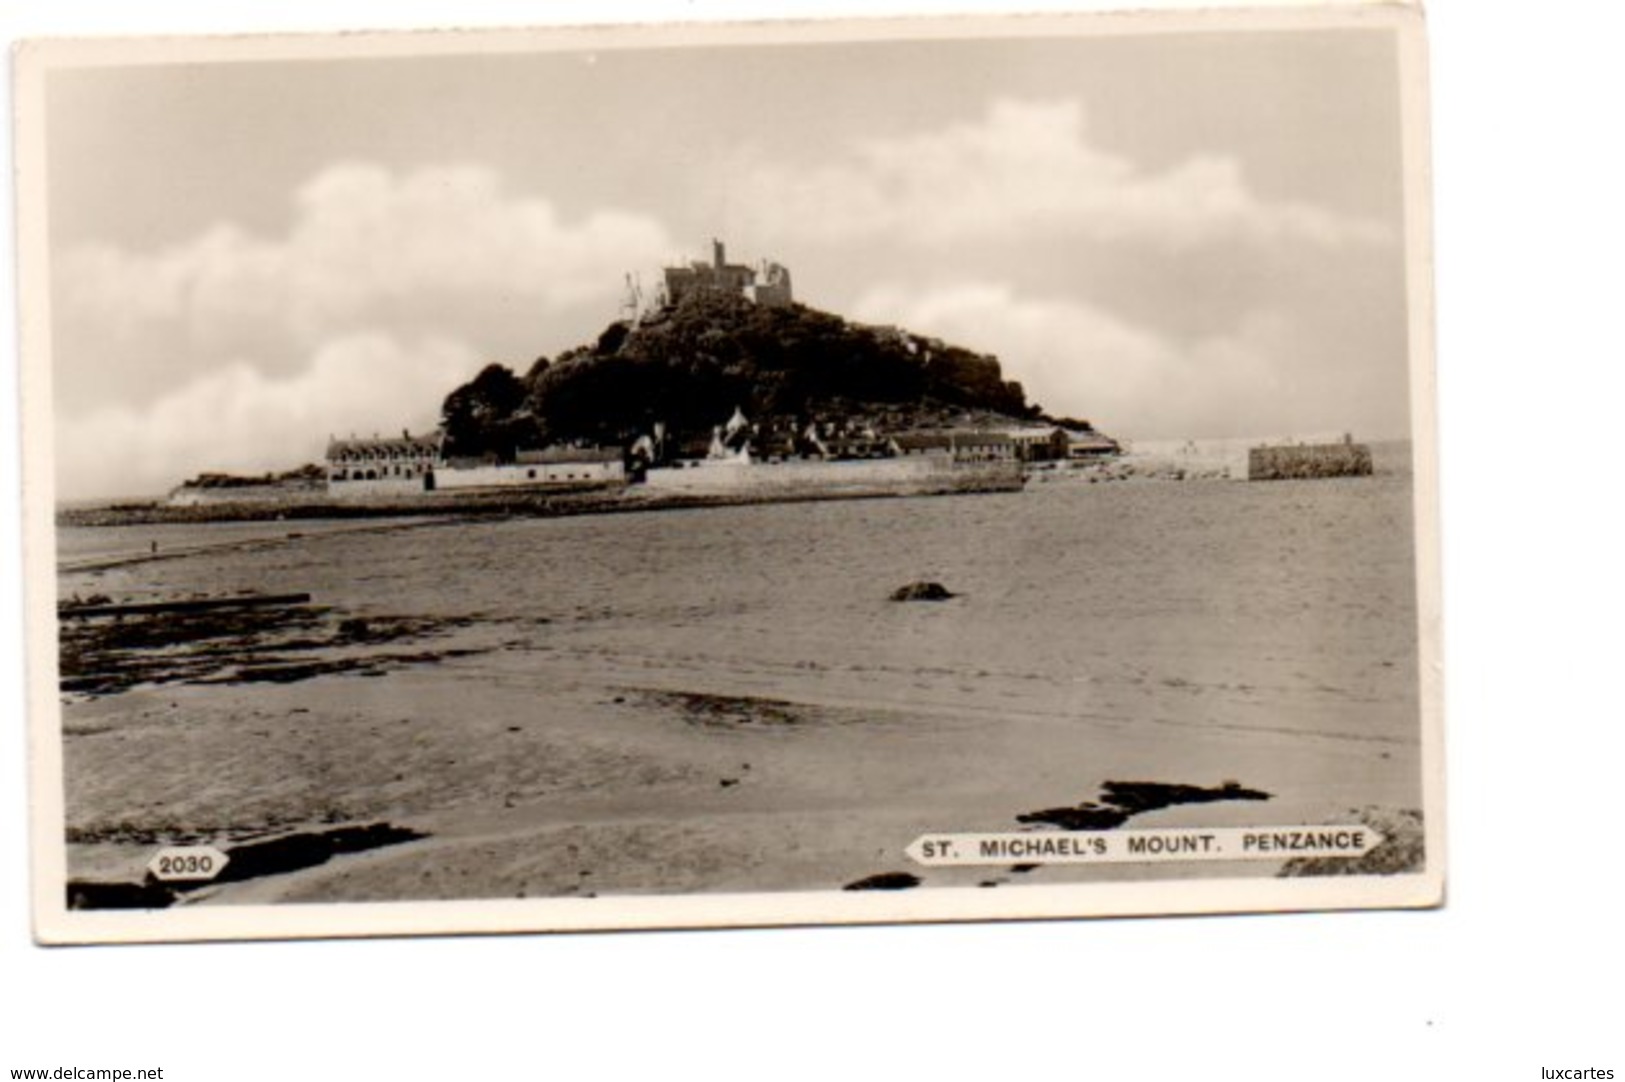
720, 388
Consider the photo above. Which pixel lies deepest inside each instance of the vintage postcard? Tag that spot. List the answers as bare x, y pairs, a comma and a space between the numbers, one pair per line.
825, 472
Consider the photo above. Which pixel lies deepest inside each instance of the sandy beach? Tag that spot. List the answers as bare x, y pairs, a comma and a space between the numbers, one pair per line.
569, 780
667, 703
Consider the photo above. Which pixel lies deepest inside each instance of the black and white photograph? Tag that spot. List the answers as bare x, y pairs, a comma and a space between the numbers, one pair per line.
811, 473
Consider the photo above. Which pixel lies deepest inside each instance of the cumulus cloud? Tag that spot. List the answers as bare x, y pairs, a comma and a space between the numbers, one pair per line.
1060, 351
442, 251
237, 419
1025, 168
1256, 378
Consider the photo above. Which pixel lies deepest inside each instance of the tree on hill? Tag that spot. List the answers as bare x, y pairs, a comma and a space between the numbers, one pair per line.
485, 417
537, 367
691, 364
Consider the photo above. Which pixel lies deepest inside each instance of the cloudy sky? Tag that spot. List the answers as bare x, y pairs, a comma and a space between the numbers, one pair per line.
1180, 235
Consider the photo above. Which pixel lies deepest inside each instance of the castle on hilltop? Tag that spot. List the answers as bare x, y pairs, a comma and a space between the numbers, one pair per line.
767, 283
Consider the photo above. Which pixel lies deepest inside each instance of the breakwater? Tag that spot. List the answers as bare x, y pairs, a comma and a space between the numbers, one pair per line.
1309, 461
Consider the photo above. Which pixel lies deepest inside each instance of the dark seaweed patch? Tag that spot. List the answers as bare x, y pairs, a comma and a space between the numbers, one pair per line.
729, 711
250, 645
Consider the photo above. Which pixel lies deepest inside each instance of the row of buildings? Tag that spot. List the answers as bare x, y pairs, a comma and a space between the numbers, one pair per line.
407, 463
774, 441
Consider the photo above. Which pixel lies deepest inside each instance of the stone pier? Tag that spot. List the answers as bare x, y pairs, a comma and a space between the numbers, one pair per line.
1312, 460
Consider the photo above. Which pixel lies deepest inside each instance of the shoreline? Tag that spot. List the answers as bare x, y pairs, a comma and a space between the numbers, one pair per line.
494, 505
598, 500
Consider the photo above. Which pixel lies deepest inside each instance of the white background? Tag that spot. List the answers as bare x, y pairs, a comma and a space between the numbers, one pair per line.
1520, 971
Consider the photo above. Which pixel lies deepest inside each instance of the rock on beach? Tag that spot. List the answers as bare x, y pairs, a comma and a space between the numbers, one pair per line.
922, 591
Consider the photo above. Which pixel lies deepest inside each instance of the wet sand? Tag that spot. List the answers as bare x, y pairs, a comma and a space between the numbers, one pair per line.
577, 730
533, 772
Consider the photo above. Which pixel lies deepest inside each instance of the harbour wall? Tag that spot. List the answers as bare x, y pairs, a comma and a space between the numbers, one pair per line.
1309, 461
904, 476
529, 475
375, 489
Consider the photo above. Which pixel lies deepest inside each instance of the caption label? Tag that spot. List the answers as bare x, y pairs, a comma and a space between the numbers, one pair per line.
191, 863
1144, 846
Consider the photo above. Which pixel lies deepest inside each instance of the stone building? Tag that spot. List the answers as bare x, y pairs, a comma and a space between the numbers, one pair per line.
767, 283
1039, 444
960, 444
405, 458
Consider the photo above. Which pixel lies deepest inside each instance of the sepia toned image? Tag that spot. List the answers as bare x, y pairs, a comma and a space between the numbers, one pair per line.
836, 472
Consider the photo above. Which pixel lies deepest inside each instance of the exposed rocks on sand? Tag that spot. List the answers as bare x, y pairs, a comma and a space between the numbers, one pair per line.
250, 860
1122, 800
921, 591
88, 894
1119, 802
307, 849
885, 881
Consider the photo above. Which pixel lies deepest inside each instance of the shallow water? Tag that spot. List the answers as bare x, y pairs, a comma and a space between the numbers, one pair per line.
1282, 605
